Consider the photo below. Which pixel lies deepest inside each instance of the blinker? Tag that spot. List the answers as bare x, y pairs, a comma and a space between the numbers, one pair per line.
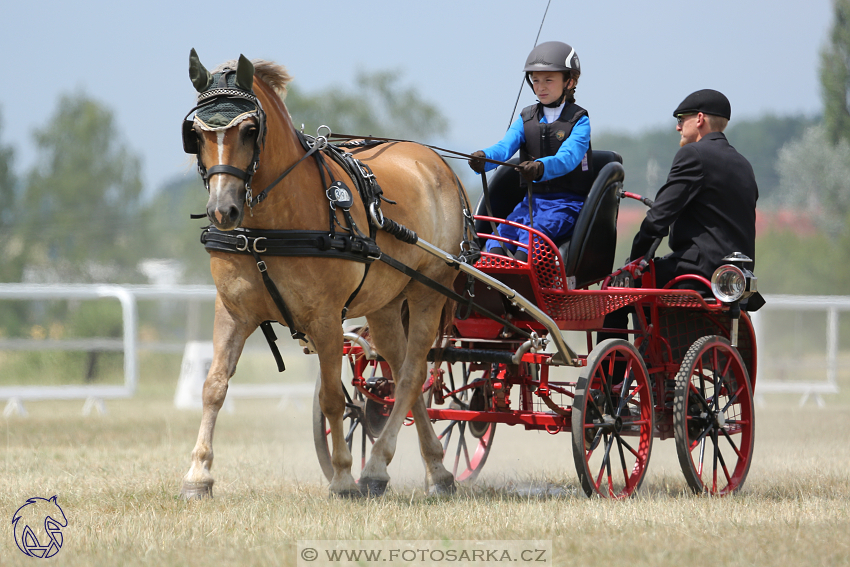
190, 138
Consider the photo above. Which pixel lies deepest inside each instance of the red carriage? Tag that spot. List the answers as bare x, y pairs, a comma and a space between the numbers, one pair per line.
687, 372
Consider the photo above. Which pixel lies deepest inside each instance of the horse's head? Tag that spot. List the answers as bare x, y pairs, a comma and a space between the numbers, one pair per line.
226, 134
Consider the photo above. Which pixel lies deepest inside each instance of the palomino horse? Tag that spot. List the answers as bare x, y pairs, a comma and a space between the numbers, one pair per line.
316, 289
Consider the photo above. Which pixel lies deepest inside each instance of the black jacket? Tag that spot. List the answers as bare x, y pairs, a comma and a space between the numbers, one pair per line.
709, 203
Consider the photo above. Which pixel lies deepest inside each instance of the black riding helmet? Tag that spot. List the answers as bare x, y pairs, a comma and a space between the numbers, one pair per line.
552, 56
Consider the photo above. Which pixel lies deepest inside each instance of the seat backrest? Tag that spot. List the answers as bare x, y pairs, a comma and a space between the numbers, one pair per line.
505, 194
589, 253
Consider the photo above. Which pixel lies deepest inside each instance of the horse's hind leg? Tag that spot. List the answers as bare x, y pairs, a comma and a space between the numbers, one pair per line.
439, 479
228, 339
408, 361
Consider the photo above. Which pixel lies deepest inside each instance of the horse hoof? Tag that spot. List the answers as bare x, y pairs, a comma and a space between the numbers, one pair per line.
373, 486
348, 494
443, 489
196, 491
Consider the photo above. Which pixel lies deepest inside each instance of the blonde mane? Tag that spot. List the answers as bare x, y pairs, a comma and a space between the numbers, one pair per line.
274, 75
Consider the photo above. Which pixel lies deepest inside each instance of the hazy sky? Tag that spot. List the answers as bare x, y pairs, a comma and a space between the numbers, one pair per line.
639, 59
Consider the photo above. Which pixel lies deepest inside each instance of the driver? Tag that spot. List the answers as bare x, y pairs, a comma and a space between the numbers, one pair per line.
708, 204
553, 138
709, 200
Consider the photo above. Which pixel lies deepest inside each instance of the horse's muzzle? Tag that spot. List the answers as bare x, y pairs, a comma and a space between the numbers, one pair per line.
225, 217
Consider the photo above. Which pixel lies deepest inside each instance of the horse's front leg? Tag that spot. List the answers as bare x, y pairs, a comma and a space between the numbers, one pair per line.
327, 336
229, 335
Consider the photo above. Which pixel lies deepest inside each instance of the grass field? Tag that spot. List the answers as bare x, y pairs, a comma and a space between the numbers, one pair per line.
117, 477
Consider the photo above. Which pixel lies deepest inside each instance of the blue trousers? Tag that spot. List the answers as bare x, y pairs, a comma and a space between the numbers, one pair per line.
555, 216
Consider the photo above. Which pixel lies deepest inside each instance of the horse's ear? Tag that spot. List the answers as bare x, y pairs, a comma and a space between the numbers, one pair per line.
200, 77
245, 74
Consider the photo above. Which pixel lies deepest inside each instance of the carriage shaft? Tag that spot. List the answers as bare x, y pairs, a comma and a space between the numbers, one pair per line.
564, 356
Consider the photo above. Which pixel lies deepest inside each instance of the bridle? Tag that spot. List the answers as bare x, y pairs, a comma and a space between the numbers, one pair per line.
191, 144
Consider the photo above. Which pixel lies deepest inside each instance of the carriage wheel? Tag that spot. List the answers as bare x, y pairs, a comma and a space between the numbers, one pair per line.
612, 421
713, 417
466, 444
363, 419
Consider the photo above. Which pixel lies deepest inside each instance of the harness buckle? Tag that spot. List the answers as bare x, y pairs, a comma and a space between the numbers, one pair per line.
249, 197
376, 214
262, 266
257, 250
242, 248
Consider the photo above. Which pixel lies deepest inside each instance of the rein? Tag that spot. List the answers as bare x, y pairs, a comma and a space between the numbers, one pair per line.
352, 245
333, 136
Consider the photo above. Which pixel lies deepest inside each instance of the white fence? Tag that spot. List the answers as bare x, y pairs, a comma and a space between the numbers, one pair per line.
830, 304
129, 344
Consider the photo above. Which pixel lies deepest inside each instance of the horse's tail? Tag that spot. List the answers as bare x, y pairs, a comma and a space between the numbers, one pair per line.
446, 330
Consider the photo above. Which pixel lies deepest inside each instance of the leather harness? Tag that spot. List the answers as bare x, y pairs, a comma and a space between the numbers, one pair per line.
347, 244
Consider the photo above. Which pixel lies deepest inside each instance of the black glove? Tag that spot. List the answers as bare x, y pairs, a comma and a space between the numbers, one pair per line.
477, 164
623, 279
531, 170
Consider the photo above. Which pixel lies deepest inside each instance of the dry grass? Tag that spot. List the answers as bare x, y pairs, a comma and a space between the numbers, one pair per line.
117, 477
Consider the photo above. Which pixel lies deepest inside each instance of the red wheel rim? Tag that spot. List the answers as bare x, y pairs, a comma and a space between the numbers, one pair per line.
612, 429
715, 442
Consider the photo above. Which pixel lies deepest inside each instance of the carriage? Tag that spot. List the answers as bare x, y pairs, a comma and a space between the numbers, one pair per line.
688, 373
308, 253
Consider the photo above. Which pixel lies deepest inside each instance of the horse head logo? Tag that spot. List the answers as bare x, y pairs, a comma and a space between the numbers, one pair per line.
38, 527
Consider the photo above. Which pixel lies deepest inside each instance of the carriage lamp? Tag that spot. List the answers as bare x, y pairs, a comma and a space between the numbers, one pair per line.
731, 283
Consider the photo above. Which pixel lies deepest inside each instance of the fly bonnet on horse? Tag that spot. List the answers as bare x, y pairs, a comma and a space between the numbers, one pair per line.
225, 99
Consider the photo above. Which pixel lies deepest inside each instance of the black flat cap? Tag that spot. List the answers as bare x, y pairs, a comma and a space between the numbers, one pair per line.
707, 101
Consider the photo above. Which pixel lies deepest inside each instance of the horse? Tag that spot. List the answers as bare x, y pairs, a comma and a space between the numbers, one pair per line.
422, 193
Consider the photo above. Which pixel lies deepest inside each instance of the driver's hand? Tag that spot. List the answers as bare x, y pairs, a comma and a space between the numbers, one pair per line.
623, 279
477, 164
531, 170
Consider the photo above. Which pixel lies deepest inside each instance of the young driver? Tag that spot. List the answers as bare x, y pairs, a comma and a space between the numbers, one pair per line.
553, 138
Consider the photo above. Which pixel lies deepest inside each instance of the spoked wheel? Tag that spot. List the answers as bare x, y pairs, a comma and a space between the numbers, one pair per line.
466, 444
713, 417
364, 418
612, 421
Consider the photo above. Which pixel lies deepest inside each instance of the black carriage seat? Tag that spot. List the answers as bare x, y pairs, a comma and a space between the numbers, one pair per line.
589, 253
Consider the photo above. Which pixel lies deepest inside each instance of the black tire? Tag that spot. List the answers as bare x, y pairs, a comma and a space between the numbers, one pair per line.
603, 417
713, 407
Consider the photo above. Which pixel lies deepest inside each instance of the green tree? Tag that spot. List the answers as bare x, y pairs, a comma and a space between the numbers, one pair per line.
647, 156
10, 252
170, 231
378, 106
835, 74
815, 177
81, 210
760, 141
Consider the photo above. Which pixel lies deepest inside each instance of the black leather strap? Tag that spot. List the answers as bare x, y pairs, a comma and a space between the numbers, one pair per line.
278, 300
228, 169
291, 243
264, 193
450, 293
271, 338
